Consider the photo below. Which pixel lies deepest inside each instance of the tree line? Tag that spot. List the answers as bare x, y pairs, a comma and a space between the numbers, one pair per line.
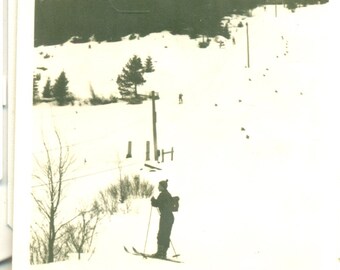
131, 77
56, 21
58, 92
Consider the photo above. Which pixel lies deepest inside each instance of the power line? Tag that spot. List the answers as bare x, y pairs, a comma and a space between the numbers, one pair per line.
89, 174
73, 144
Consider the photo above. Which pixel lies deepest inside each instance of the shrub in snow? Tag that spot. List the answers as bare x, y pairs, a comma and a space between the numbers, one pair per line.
132, 36
97, 100
80, 232
126, 189
203, 44
136, 100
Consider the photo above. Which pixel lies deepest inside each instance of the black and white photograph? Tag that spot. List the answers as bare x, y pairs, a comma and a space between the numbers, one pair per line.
183, 134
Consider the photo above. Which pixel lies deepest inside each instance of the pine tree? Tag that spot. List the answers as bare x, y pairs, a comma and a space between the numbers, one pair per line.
148, 65
60, 90
35, 90
291, 4
226, 31
48, 89
131, 77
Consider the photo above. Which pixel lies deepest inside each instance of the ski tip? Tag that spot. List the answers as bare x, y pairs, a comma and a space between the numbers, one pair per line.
145, 256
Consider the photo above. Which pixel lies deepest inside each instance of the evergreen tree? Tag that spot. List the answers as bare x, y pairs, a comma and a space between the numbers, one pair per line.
48, 89
131, 77
225, 31
291, 4
35, 90
148, 65
56, 21
60, 90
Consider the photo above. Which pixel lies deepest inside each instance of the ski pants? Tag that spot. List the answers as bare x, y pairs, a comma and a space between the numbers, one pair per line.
165, 225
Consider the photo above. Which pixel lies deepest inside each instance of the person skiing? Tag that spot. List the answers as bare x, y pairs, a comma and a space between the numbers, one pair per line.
180, 98
164, 204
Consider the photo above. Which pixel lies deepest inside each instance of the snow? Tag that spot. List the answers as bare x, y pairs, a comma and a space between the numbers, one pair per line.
267, 202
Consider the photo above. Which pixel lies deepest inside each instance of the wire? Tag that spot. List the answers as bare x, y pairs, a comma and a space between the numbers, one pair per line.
89, 174
71, 145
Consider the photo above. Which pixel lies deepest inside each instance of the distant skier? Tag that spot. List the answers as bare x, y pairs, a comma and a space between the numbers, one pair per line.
164, 204
180, 98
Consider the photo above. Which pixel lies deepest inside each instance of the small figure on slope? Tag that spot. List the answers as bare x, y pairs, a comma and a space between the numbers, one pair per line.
180, 98
164, 204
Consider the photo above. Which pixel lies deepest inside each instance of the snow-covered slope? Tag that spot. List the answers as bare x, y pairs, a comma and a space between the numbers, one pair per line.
256, 148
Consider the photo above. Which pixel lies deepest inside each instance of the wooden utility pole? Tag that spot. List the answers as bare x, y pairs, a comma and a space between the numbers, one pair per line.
275, 8
154, 128
248, 61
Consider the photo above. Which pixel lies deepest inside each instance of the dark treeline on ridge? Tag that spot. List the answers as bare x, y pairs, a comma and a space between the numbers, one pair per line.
56, 21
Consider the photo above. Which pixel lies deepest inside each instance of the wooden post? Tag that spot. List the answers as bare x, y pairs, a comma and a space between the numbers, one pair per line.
154, 128
162, 155
248, 61
129, 155
147, 150
172, 153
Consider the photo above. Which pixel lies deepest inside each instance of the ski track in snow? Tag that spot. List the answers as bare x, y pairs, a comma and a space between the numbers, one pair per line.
266, 201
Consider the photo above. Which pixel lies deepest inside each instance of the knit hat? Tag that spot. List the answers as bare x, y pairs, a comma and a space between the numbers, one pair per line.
164, 183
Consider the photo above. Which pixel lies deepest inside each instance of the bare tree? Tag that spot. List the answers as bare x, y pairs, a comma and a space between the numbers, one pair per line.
81, 232
48, 243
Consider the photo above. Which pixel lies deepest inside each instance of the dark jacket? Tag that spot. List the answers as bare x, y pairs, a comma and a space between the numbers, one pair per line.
163, 202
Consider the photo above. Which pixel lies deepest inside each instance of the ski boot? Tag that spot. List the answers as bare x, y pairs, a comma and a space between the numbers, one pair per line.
161, 252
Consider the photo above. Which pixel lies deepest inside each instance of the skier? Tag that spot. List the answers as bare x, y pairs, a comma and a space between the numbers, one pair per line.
180, 98
164, 204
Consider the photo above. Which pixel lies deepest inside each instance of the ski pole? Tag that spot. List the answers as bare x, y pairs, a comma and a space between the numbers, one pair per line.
172, 245
147, 232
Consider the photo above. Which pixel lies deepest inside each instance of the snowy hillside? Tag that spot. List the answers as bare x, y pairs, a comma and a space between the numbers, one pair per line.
255, 149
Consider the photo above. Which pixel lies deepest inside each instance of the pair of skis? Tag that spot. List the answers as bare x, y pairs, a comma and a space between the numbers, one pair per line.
146, 256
